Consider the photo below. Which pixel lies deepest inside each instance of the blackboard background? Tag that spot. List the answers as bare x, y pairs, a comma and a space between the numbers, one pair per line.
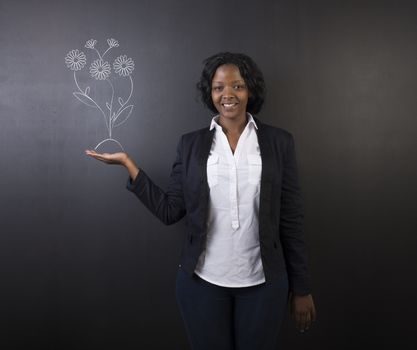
78, 268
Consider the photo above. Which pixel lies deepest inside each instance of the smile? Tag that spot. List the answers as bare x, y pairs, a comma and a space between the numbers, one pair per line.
229, 105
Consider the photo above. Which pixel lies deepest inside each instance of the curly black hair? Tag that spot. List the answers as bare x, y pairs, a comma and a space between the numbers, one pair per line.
248, 70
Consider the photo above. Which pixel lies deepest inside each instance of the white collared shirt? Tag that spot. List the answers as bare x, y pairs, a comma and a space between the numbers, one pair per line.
232, 257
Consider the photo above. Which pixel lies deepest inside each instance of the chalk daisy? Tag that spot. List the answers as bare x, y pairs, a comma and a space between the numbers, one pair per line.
100, 69
75, 60
123, 66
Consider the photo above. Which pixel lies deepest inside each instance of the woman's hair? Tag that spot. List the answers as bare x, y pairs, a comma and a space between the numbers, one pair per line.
248, 70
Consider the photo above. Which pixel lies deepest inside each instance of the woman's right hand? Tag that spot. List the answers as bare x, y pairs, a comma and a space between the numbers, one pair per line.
120, 158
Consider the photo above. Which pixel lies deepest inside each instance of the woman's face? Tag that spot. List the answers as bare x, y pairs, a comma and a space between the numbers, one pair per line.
229, 92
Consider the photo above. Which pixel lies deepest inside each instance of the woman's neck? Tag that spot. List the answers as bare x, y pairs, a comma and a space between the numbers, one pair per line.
233, 126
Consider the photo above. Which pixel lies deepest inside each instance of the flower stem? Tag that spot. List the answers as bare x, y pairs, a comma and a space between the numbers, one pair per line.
97, 106
130, 95
111, 107
106, 51
98, 53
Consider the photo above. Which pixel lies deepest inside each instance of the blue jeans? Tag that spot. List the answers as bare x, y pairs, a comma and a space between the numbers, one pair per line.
223, 318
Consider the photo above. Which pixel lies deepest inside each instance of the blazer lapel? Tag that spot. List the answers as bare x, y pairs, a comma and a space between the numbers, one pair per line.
266, 178
205, 146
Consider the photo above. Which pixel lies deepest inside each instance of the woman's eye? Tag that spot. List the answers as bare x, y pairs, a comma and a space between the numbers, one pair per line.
217, 88
239, 87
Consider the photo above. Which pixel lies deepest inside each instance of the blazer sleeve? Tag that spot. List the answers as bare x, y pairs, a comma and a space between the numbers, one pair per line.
291, 225
168, 206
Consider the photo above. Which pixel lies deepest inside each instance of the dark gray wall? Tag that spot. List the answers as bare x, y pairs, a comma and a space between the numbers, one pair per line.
78, 266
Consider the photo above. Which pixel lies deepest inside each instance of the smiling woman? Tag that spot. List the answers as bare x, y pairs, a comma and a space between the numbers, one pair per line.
244, 255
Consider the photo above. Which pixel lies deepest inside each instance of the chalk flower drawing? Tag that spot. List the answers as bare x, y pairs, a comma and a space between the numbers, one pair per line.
112, 42
75, 60
117, 110
90, 44
123, 65
100, 69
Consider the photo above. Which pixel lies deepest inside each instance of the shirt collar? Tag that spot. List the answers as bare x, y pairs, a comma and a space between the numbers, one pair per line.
215, 119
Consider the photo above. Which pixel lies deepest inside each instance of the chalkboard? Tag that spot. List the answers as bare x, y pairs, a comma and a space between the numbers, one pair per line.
78, 264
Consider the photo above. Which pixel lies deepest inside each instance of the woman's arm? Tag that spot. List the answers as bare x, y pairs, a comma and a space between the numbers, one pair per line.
302, 306
292, 224
168, 206
132, 169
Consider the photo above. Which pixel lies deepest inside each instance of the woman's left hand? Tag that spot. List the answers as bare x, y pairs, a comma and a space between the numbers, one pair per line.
302, 310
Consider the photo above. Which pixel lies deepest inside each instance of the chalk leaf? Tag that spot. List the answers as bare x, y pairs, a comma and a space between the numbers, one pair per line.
84, 99
122, 116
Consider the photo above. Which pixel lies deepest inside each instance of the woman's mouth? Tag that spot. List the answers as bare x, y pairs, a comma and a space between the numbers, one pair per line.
229, 105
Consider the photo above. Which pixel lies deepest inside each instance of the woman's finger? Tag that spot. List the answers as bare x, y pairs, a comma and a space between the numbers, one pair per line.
313, 313
98, 156
307, 321
297, 319
302, 322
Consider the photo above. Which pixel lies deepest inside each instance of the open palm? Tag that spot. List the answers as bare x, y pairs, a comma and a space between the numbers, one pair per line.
109, 158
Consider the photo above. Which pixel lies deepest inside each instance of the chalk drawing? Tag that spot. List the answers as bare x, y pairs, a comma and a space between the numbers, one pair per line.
117, 110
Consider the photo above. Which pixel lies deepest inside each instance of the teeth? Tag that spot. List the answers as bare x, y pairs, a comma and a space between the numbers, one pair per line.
229, 104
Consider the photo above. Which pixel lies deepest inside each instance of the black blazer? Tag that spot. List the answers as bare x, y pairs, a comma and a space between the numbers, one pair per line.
281, 214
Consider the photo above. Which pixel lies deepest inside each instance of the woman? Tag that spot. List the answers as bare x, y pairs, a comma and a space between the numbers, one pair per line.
236, 182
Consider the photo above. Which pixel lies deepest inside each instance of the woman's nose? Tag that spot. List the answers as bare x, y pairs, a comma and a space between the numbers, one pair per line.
228, 91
